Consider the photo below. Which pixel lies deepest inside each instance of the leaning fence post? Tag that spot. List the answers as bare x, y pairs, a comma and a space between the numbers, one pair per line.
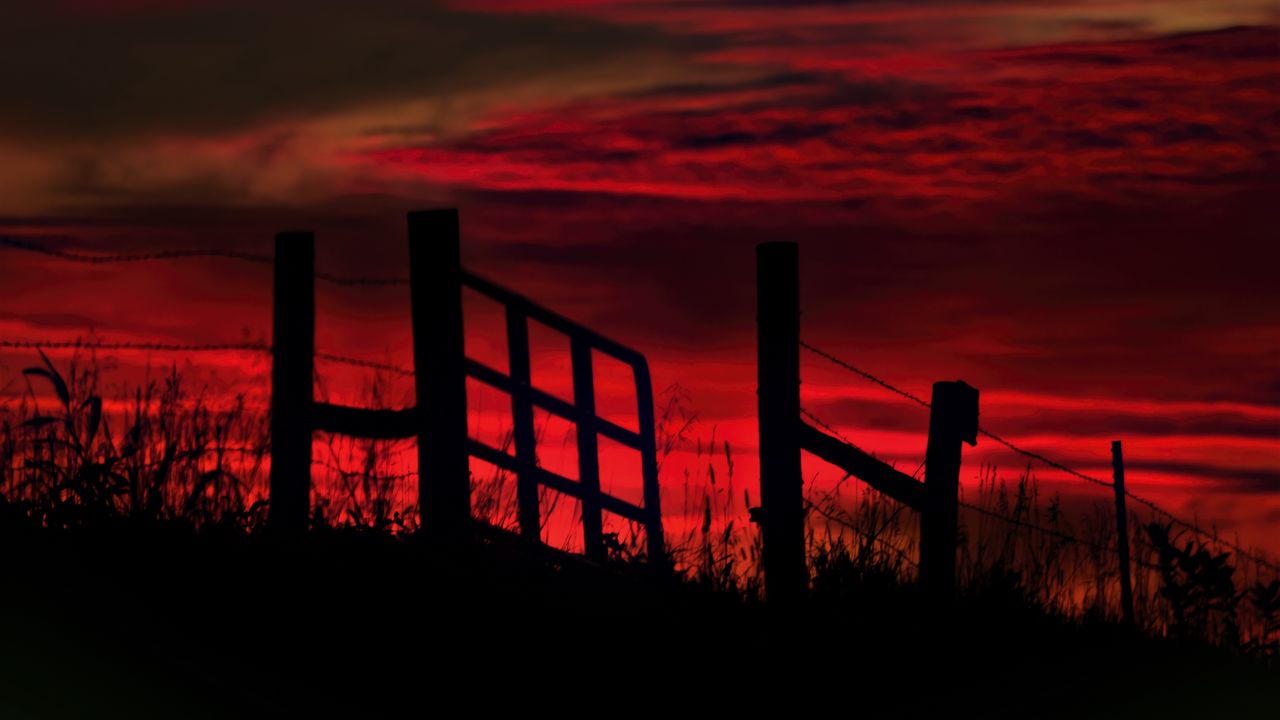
292, 374
778, 366
649, 455
1122, 532
953, 420
584, 402
439, 363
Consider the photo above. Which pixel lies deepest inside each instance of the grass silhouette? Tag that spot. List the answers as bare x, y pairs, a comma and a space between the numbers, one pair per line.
140, 581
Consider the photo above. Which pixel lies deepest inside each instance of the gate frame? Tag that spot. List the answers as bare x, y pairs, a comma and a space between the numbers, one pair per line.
439, 419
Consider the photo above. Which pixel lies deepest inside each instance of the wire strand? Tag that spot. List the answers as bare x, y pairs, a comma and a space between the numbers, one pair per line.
355, 362
987, 433
829, 429
1241, 551
1051, 463
87, 259
1032, 526
1212, 537
864, 374
1065, 537
349, 281
174, 254
338, 469
152, 346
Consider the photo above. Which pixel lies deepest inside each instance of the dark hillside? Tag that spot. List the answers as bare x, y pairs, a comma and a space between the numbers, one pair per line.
158, 621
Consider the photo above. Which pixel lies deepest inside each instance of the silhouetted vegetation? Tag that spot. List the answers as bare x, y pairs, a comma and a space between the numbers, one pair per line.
138, 533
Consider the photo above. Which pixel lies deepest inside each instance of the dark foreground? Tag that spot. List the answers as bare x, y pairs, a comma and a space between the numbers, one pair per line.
154, 622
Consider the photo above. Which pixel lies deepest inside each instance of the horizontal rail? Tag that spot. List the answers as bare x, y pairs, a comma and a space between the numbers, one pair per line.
559, 483
553, 320
555, 405
894, 483
365, 423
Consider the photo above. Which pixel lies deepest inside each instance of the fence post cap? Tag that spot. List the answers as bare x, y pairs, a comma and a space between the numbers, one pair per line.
778, 247
961, 402
433, 214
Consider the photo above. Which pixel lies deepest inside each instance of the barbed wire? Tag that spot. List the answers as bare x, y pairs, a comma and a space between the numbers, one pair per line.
1065, 537
1051, 463
1213, 537
842, 522
352, 281
348, 281
1032, 526
88, 259
1011, 520
336, 468
260, 452
986, 433
175, 254
822, 424
180, 347
368, 364
129, 345
864, 374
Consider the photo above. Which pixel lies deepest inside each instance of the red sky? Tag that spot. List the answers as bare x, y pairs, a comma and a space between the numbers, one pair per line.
1069, 205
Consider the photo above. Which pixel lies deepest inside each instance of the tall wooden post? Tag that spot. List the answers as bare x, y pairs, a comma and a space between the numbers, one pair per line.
292, 375
1122, 532
954, 420
439, 363
778, 366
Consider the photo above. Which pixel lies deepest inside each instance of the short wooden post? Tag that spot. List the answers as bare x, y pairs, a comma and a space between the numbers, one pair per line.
292, 375
439, 361
1122, 532
954, 420
782, 516
584, 402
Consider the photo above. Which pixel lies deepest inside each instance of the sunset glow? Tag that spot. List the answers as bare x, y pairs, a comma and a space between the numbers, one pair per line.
1069, 205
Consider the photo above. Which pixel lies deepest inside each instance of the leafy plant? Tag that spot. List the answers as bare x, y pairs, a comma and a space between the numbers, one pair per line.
1198, 585
79, 464
1266, 601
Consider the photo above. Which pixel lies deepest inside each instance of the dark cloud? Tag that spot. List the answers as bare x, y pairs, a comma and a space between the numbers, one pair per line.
1235, 43
55, 320
1089, 139
1230, 480
210, 67
1245, 43
704, 89
781, 134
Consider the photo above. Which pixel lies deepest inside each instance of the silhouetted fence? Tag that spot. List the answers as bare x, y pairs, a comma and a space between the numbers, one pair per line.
439, 419
784, 435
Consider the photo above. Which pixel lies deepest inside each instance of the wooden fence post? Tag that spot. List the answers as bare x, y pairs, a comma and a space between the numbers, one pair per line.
782, 517
292, 375
953, 420
1122, 532
439, 363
